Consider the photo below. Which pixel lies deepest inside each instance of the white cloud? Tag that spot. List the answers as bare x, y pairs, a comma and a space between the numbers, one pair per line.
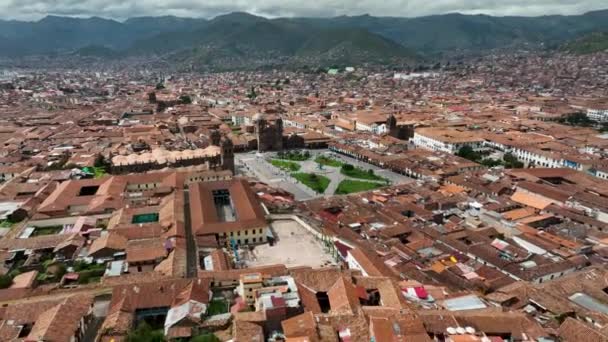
121, 9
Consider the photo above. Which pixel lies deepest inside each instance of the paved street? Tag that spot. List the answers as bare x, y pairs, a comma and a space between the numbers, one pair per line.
255, 165
191, 252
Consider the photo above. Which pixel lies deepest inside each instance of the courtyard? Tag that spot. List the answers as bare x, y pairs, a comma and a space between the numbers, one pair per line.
294, 246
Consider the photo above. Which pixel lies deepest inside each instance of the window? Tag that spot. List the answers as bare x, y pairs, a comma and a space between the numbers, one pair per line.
139, 269
238, 233
246, 241
323, 300
261, 230
25, 330
88, 190
253, 240
231, 233
245, 231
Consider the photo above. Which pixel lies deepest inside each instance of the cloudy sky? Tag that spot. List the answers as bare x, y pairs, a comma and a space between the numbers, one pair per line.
122, 9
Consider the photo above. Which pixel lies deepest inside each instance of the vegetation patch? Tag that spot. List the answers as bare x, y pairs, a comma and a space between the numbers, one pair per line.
327, 161
5, 281
52, 230
509, 161
208, 337
594, 42
351, 186
285, 165
7, 223
89, 273
582, 120
355, 172
294, 155
316, 182
52, 272
217, 307
145, 333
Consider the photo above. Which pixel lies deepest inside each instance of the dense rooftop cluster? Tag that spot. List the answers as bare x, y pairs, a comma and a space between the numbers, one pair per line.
466, 203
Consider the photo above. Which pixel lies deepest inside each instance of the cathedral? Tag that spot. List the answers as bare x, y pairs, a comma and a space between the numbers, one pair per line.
399, 130
269, 135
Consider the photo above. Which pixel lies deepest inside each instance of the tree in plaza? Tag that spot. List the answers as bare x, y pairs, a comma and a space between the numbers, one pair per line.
467, 152
511, 161
347, 167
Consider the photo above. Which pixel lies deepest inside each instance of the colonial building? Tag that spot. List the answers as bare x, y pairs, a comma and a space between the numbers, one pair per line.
227, 213
399, 130
269, 136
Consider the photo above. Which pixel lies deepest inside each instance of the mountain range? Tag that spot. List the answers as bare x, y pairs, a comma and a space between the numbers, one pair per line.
241, 38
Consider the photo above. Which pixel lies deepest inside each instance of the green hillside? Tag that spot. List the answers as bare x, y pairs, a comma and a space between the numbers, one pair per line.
595, 42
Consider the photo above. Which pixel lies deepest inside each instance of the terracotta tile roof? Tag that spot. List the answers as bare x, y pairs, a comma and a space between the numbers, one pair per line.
61, 322
220, 261
573, 330
301, 326
531, 200
27, 312
517, 214
35, 243
146, 250
143, 295
389, 290
196, 291
317, 279
398, 328
248, 211
244, 331
489, 321
370, 265
308, 297
556, 194
234, 275
343, 296
175, 264
112, 241
24, 280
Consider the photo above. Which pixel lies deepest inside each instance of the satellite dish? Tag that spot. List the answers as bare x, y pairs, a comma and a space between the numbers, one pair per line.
451, 331
460, 331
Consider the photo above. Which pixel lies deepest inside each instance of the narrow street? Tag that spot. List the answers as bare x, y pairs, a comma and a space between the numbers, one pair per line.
191, 254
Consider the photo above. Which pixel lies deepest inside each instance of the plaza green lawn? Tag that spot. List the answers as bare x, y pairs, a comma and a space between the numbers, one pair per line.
294, 155
316, 182
351, 186
356, 172
285, 165
323, 160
